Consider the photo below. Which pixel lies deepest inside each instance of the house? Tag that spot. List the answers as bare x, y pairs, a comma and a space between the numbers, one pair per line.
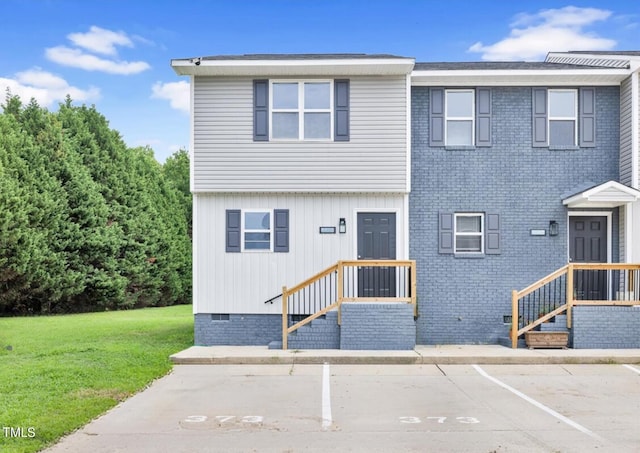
370, 202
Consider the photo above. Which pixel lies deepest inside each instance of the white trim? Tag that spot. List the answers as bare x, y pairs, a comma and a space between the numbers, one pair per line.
589, 198
480, 233
242, 230
628, 233
301, 109
471, 118
607, 214
563, 118
357, 211
192, 134
194, 254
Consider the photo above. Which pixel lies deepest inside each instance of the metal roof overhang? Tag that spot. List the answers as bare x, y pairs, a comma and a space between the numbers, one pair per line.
610, 194
294, 67
519, 77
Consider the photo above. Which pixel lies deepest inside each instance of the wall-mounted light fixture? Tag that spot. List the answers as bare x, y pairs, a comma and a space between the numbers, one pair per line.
342, 225
554, 228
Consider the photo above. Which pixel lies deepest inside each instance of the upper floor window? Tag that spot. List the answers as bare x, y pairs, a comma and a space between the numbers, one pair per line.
301, 110
459, 114
563, 117
460, 117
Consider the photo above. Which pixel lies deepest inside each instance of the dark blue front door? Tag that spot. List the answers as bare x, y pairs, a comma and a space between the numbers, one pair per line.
376, 241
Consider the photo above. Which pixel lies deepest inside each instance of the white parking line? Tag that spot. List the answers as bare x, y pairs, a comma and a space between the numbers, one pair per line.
632, 368
326, 397
539, 405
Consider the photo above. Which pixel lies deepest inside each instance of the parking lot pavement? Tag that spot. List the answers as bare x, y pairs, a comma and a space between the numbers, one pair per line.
385, 408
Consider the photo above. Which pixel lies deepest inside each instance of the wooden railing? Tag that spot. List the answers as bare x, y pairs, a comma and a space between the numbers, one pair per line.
347, 281
571, 285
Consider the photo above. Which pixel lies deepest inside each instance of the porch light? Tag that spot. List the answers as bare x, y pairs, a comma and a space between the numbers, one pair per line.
342, 225
553, 228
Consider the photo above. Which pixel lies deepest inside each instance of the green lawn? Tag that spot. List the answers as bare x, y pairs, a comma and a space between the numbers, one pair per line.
59, 372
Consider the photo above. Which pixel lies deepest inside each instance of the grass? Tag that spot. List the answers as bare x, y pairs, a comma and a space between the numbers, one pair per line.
57, 373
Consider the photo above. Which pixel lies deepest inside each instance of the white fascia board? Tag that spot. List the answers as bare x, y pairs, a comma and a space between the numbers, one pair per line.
297, 67
566, 77
609, 194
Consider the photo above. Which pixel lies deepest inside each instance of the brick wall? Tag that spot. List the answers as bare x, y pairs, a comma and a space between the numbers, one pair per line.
377, 326
239, 330
463, 300
321, 333
606, 327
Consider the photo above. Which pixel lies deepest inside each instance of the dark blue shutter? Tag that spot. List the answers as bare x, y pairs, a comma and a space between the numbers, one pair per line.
539, 125
446, 233
341, 110
483, 116
281, 230
233, 232
261, 110
436, 117
492, 244
587, 126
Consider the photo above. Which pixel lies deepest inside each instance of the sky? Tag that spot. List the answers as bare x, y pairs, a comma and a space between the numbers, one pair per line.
116, 54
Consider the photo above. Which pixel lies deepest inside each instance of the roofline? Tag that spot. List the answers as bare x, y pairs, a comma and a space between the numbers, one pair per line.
294, 66
518, 77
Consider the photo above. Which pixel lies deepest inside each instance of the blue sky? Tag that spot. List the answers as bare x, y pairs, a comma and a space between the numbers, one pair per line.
116, 54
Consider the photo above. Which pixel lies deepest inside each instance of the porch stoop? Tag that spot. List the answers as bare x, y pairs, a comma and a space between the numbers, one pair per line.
559, 324
365, 326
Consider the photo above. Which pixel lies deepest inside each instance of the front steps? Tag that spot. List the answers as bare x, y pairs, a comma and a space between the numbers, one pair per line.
559, 324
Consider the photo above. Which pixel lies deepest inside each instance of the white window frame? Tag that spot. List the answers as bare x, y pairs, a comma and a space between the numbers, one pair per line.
472, 118
301, 110
244, 230
480, 234
563, 118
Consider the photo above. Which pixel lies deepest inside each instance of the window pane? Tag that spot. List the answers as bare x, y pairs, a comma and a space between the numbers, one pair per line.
285, 125
317, 125
257, 237
285, 95
562, 104
249, 245
468, 224
459, 104
459, 133
468, 244
257, 221
562, 133
317, 96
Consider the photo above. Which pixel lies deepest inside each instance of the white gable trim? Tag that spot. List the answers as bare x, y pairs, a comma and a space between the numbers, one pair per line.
610, 194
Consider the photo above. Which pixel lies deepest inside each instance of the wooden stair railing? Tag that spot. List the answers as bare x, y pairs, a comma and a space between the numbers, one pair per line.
342, 282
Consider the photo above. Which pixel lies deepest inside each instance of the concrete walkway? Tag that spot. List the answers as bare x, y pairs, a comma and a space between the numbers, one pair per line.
445, 355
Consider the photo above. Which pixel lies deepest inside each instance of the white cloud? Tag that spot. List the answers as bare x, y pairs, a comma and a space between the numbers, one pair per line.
100, 40
77, 58
177, 93
553, 30
46, 88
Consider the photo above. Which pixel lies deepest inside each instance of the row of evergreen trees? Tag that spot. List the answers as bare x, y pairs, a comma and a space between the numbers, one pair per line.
86, 223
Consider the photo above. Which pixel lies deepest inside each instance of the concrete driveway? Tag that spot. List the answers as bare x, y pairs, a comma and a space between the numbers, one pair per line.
375, 408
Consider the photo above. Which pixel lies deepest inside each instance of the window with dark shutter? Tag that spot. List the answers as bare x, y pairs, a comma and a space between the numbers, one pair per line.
492, 241
341, 114
483, 116
587, 125
233, 231
261, 110
445, 233
281, 230
539, 125
436, 117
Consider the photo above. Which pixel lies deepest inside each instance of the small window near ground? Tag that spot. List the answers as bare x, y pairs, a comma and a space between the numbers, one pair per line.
469, 233
219, 317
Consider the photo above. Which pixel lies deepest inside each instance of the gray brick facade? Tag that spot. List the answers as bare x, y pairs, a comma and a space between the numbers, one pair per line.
606, 327
239, 330
377, 326
463, 300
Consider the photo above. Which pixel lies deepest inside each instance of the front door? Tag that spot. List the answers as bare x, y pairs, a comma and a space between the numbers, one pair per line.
588, 244
376, 241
